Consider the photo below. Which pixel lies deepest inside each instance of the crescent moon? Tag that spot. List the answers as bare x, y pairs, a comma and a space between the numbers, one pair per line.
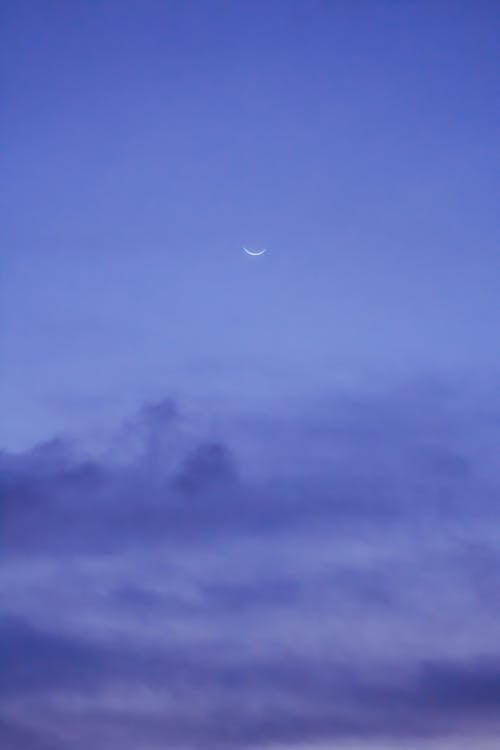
254, 252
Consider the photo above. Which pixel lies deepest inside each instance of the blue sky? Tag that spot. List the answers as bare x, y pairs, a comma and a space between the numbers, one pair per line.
276, 477
147, 144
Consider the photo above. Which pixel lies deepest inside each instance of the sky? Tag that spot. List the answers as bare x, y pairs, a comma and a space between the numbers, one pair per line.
249, 502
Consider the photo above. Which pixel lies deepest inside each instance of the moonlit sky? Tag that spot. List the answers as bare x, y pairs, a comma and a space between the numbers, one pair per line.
260, 493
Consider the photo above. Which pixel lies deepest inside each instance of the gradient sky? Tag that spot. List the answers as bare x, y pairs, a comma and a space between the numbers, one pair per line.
249, 502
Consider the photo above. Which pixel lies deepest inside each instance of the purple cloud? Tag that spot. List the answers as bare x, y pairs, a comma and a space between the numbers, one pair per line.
167, 596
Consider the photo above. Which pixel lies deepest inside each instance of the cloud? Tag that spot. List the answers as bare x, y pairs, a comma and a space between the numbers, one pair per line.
196, 696
208, 465
35, 660
160, 590
14, 736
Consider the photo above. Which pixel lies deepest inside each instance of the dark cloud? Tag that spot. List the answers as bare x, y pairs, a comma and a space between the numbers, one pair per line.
258, 609
35, 660
470, 689
384, 460
14, 736
251, 702
209, 465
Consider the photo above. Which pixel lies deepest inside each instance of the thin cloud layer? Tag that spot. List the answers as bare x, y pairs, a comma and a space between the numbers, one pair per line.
159, 595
